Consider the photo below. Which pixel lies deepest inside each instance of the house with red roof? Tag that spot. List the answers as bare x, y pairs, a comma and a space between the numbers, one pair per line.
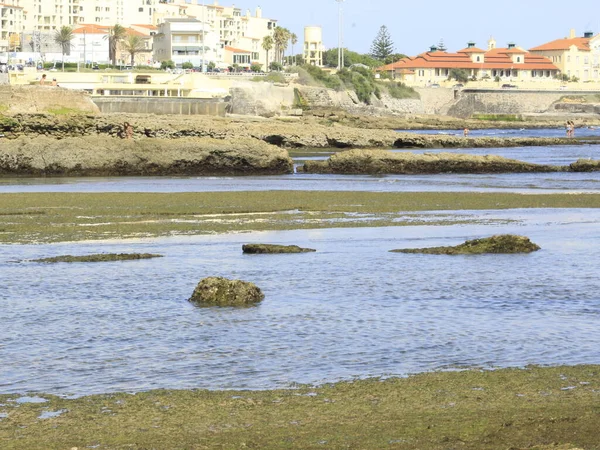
578, 57
510, 64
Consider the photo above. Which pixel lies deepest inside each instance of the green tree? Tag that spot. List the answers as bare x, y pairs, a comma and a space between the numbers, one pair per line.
460, 75
63, 37
187, 65
350, 58
294, 41
441, 46
281, 37
133, 45
382, 46
167, 65
115, 35
267, 45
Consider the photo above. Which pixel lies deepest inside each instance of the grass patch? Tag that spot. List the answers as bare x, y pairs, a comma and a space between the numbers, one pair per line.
273, 77
535, 408
83, 216
63, 111
498, 117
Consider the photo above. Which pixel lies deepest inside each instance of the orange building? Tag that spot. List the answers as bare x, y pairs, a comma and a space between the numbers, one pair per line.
508, 64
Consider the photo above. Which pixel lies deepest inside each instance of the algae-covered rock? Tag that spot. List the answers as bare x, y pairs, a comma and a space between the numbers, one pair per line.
504, 243
271, 248
101, 257
219, 291
585, 165
385, 162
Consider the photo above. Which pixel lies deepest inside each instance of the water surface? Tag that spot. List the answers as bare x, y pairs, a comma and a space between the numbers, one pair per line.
350, 310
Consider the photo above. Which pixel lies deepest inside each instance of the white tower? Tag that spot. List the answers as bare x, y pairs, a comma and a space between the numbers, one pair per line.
313, 46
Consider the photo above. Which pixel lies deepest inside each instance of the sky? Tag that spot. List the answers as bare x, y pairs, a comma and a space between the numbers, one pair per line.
417, 25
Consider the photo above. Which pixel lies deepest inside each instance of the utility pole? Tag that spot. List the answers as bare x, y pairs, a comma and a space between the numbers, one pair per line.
340, 36
202, 69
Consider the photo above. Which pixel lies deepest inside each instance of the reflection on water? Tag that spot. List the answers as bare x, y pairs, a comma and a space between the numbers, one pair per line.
350, 310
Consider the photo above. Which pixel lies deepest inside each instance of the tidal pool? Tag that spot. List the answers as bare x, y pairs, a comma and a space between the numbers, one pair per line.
352, 309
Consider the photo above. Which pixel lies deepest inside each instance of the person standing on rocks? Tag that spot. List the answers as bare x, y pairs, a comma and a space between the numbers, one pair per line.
43, 80
127, 130
466, 132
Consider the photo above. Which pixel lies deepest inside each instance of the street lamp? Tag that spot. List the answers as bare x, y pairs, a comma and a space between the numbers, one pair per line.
203, 37
340, 36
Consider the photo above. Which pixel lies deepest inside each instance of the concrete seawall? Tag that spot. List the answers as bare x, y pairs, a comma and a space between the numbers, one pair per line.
159, 105
488, 101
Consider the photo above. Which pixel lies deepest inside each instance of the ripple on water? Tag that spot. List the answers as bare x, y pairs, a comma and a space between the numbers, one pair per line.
352, 309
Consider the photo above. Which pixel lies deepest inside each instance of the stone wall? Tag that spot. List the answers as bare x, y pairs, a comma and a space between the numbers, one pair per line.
436, 100
503, 102
161, 105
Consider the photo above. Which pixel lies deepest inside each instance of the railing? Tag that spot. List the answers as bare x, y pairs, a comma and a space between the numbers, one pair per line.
248, 74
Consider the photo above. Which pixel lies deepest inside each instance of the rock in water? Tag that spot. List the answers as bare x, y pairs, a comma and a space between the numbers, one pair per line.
271, 248
504, 243
218, 291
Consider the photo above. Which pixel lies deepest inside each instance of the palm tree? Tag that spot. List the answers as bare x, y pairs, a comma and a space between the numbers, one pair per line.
63, 37
294, 41
133, 44
115, 35
267, 45
281, 36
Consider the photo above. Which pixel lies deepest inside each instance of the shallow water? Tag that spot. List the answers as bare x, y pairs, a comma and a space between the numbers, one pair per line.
513, 132
541, 182
350, 310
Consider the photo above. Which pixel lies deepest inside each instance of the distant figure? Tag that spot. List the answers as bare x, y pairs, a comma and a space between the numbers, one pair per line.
54, 83
127, 130
43, 80
466, 132
570, 128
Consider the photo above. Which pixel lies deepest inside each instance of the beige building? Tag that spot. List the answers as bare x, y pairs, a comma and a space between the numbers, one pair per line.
49, 15
11, 24
313, 46
576, 57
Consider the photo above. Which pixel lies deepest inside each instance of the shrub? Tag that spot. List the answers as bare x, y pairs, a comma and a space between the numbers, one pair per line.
256, 68
276, 66
187, 65
167, 65
401, 91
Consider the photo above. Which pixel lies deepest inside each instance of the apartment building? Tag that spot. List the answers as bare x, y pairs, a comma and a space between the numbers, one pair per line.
187, 40
575, 56
49, 15
11, 24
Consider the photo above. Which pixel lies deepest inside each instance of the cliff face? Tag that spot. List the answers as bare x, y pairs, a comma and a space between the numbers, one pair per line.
43, 99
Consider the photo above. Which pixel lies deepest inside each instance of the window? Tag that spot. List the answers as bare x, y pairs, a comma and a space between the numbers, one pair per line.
518, 59
478, 58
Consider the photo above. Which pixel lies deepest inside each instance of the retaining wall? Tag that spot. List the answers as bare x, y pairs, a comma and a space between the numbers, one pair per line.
154, 105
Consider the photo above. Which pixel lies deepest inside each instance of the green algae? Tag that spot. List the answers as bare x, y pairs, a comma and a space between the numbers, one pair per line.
219, 291
272, 249
60, 217
551, 407
99, 257
504, 243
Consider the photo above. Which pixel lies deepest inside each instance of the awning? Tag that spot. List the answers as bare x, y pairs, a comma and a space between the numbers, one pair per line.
186, 49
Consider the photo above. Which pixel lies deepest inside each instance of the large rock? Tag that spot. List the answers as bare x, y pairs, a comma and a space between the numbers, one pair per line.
271, 248
585, 165
385, 162
218, 291
504, 243
101, 257
111, 156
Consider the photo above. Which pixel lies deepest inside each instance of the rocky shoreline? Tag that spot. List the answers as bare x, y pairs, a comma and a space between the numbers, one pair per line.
94, 145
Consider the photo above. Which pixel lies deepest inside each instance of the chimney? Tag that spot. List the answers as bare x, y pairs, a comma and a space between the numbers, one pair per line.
491, 43
511, 45
470, 44
588, 34
258, 12
433, 48
572, 34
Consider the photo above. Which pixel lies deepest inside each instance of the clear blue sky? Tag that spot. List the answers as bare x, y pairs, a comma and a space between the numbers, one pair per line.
416, 25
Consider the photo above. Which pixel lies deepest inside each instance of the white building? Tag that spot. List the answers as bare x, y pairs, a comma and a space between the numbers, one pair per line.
313, 46
11, 24
187, 40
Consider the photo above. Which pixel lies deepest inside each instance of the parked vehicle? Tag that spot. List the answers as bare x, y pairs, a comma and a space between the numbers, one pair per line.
509, 86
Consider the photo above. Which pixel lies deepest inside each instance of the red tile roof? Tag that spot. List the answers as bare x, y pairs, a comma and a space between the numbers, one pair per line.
565, 44
91, 29
236, 50
498, 58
